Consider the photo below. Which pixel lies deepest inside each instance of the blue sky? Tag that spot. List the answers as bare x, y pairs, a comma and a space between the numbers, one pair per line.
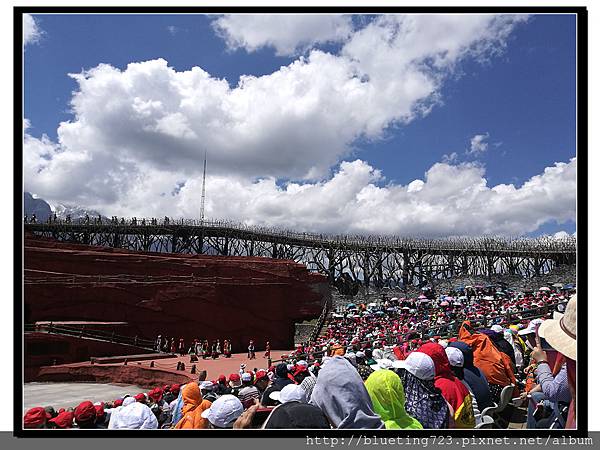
522, 99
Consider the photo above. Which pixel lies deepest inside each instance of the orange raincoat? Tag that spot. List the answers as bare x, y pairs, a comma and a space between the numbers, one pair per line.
193, 405
495, 365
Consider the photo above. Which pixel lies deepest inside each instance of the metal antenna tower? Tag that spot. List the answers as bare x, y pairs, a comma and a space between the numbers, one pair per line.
203, 191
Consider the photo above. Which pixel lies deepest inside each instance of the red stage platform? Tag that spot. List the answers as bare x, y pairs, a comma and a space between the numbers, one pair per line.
163, 372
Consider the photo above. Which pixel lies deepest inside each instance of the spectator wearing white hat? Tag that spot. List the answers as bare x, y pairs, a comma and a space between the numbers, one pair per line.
528, 333
553, 393
207, 388
457, 362
248, 392
383, 364
290, 393
223, 412
474, 377
423, 401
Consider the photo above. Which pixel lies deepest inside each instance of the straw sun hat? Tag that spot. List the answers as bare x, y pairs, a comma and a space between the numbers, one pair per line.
561, 332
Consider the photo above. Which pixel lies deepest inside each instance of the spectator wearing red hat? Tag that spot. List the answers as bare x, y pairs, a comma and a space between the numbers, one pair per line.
261, 381
159, 406
101, 416
85, 415
300, 371
175, 405
234, 383
155, 395
221, 387
36, 418
140, 398
63, 420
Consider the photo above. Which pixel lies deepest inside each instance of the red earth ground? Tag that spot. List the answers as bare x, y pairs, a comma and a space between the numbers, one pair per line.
164, 371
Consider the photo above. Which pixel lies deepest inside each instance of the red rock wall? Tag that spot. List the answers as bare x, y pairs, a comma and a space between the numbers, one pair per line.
229, 297
43, 349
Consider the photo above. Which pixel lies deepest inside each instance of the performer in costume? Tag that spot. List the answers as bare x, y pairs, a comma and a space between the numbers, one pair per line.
251, 353
214, 352
205, 349
227, 348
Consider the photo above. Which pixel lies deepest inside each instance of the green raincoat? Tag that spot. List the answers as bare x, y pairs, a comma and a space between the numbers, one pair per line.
387, 394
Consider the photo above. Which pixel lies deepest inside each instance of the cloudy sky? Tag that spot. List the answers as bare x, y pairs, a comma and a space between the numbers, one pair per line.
420, 125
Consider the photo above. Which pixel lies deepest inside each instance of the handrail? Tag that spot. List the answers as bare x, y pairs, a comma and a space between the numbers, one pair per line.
94, 334
320, 321
567, 245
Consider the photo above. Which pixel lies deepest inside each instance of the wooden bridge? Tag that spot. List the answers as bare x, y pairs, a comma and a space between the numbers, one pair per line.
376, 261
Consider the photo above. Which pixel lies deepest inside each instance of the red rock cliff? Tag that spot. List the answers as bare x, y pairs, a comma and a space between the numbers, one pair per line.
189, 296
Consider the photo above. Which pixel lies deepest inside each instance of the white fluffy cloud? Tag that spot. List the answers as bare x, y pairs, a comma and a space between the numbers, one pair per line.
294, 123
31, 31
136, 143
287, 34
450, 200
478, 144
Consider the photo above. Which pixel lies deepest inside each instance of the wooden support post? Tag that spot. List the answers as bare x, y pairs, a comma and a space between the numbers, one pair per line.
331, 265
366, 270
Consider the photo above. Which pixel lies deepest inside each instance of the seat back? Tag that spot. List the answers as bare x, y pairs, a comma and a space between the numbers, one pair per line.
505, 397
486, 422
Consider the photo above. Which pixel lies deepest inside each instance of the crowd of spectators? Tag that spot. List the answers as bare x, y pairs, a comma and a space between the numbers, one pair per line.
432, 362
